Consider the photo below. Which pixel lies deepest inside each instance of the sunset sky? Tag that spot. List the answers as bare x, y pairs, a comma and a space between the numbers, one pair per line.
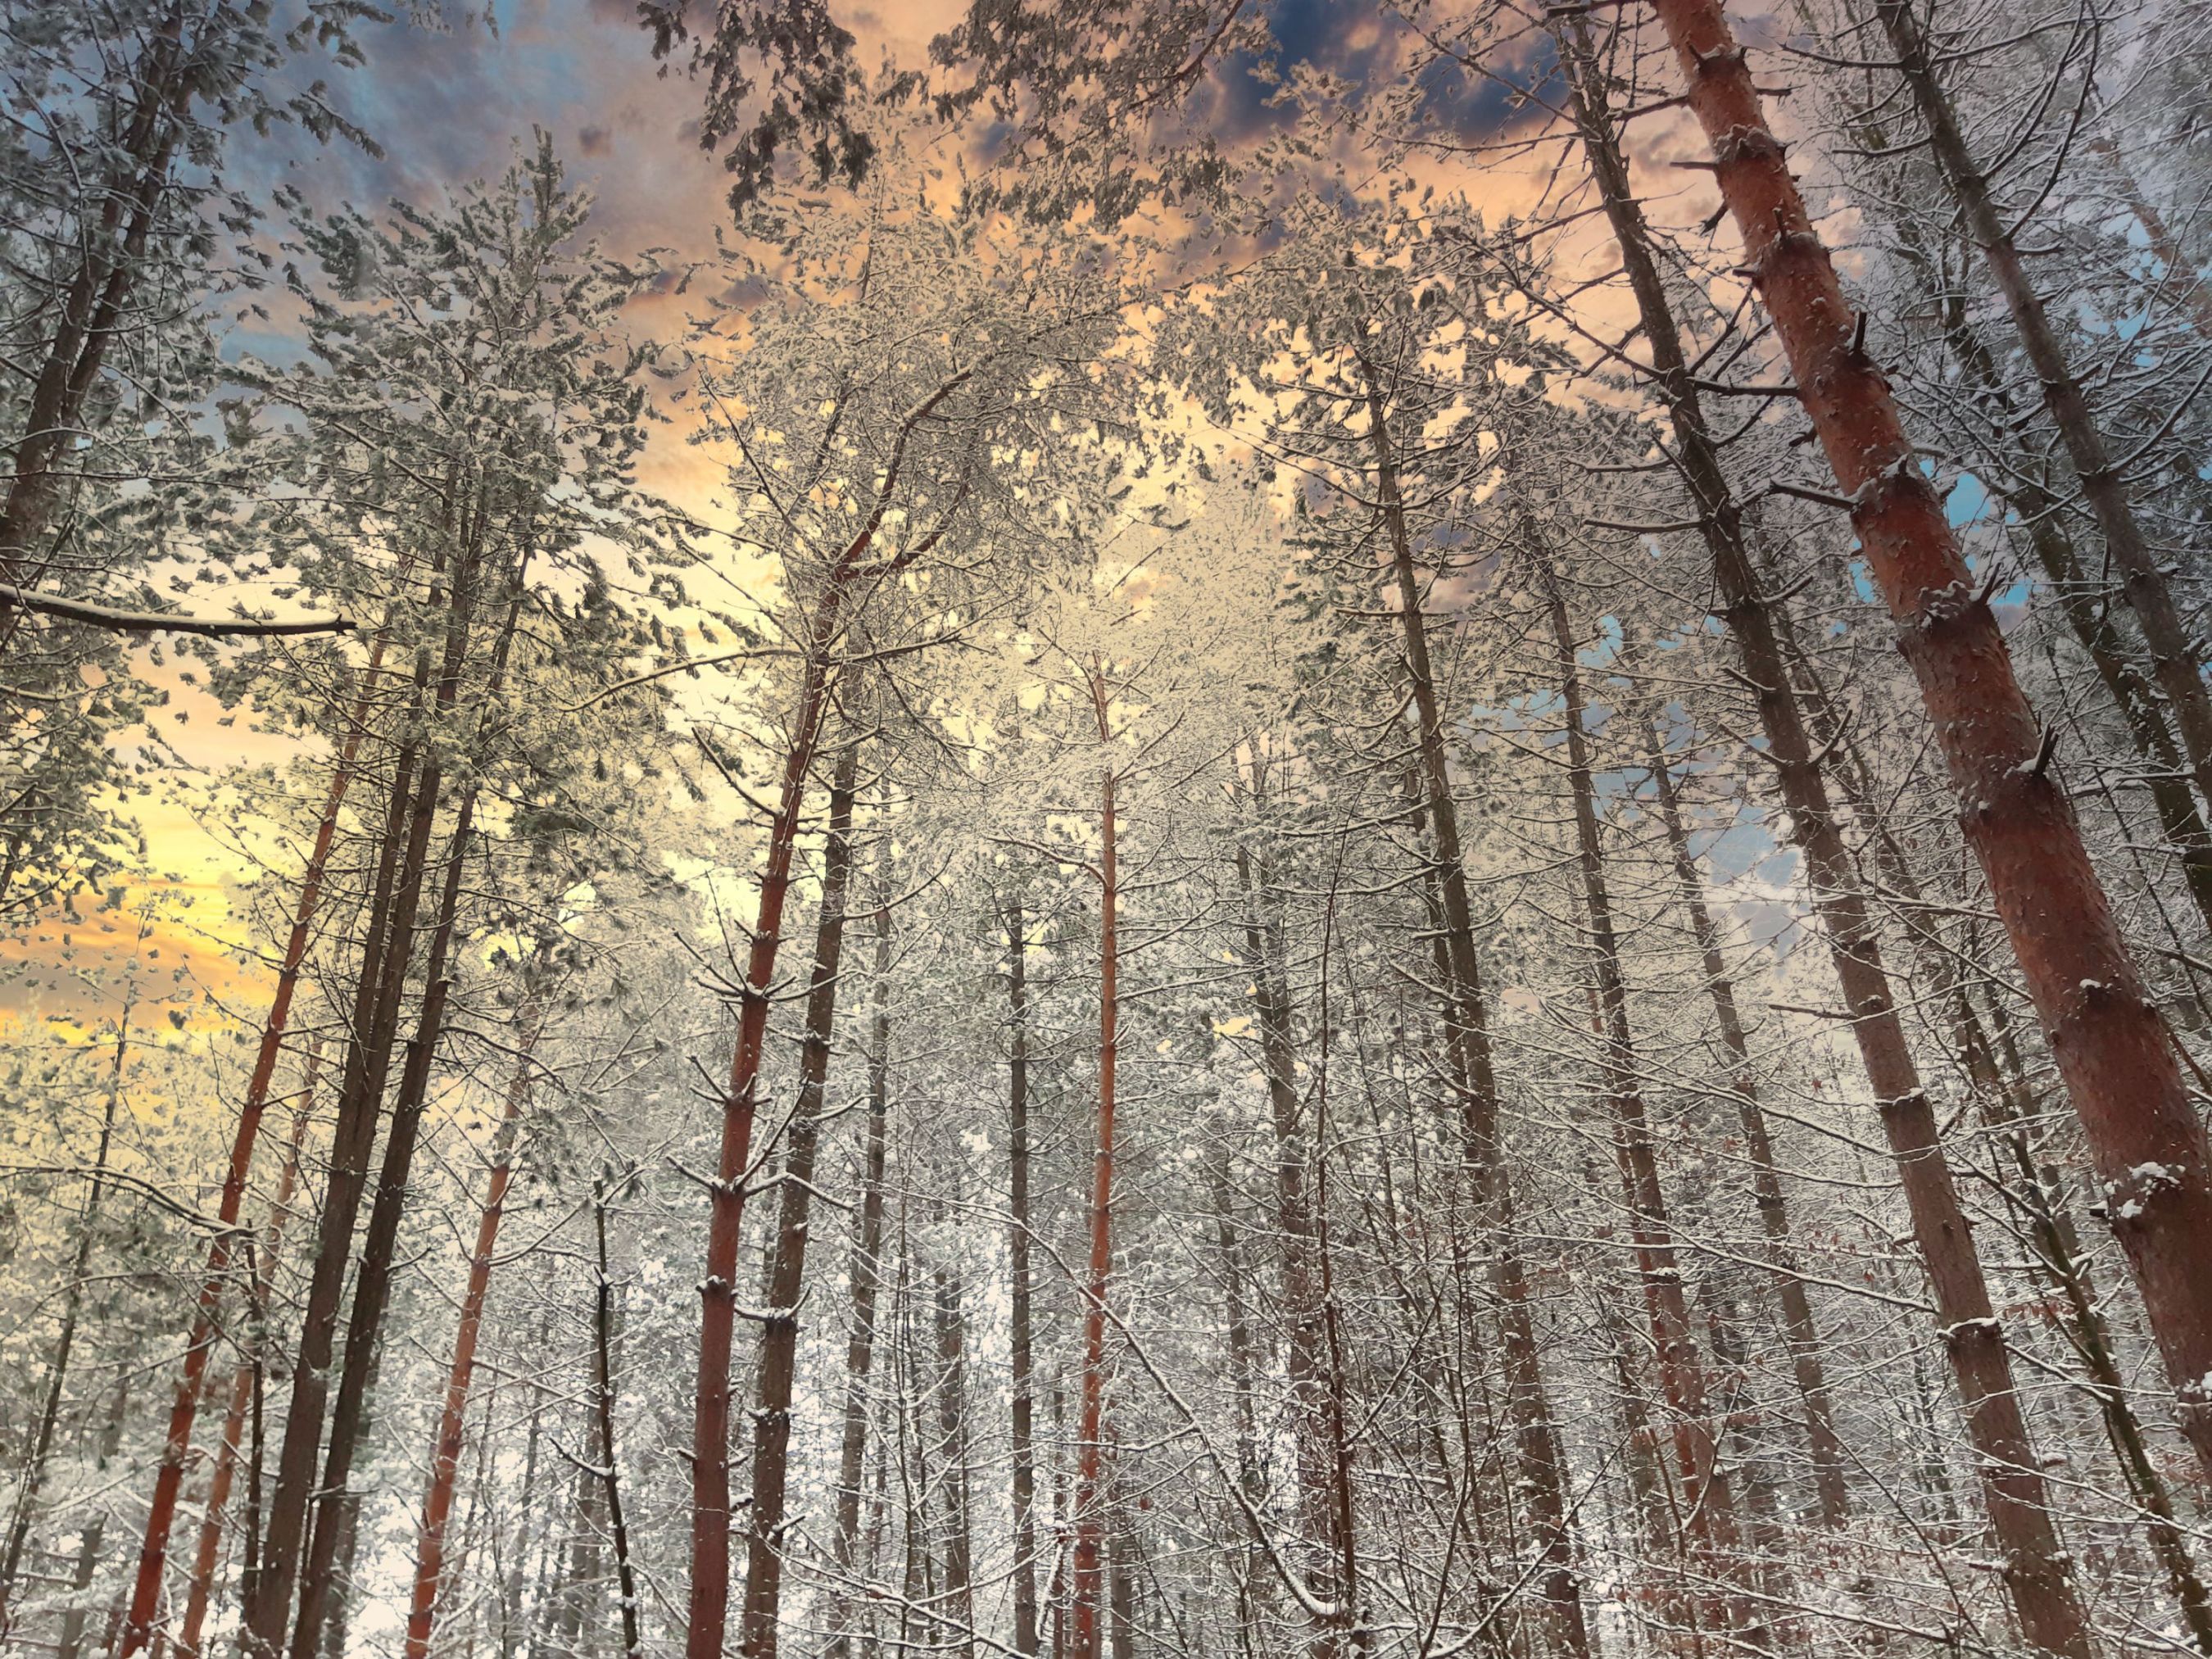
449, 95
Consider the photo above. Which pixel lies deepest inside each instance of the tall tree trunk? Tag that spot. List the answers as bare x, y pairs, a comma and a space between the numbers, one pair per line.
1087, 1586
1540, 1465
380, 1244
380, 1248
208, 1555
952, 1443
708, 1614
1708, 1494
1799, 1330
2108, 1039
1023, 1383
387, 945
603, 1344
866, 1277
160, 1515
2104, 485
778, 1365
57, 1370
446, 1455
2036, 1568
1302, 1302
387, 940
2043, 519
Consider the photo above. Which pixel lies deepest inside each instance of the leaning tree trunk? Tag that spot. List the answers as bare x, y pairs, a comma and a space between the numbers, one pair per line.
446, 1455
1540, 1464
778, 1364
1708, 1495
2104, 485
160, 1515
2036, 1572
2107, 1037
2042, 517
387, 945
201, 1586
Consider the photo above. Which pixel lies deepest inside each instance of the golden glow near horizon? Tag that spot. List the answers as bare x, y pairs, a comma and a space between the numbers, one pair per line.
622, 131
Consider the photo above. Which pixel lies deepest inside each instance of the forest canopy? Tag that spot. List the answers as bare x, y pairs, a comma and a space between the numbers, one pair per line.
1134, 827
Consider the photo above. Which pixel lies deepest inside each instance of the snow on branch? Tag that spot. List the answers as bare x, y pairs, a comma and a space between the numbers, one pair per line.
163, 622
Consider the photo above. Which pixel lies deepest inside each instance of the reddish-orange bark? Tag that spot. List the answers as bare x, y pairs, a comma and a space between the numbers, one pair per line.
153, 1554
1090, 1444
2108, 1038
779, 1350
709, 1604
2104, 485
2036, 1572
438, 1501
202, 1585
